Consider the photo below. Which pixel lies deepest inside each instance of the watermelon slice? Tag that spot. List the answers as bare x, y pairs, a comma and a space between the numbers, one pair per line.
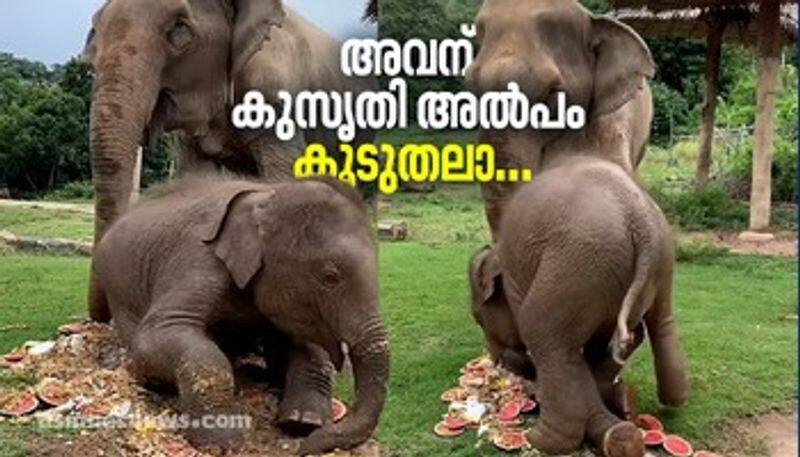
455, 394
706, 454
455, 423
97, 408
648, 422
528, 406
677, 446
510, 411
20, 405
72, 328
15, 356
514, 423
654, 438
471, 380
338, 410
52, 392
441, 429
510, 441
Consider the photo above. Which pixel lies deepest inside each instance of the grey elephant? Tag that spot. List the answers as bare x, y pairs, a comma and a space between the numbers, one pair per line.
180, 65
212, 264
551, 46
584, 255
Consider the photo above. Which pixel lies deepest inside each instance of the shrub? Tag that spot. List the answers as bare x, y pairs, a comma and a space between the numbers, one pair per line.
77, 190
736, 173
697, 251
702, 209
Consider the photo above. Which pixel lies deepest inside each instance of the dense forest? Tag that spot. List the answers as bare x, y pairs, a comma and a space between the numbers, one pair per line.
44, 110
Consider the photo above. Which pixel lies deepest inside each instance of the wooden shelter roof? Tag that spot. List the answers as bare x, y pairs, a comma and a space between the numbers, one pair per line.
695, 22
661, 5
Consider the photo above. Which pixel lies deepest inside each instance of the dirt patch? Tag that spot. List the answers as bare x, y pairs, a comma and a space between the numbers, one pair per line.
783, 245
773, 434
84, 208
97, 389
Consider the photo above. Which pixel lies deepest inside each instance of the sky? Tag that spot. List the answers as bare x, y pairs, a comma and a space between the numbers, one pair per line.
52, 31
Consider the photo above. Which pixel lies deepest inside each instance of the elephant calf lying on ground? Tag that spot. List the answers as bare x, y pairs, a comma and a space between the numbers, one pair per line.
213, 264
583, 253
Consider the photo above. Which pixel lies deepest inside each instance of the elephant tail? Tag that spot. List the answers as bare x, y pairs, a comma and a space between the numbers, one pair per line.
645, 243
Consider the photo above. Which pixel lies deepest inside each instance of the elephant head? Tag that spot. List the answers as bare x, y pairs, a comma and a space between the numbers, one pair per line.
162, 64
550, 46
305, 252
492, 313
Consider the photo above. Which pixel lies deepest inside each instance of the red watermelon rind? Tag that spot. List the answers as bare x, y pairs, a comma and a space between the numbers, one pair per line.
654, 438
509, 412
648, 422
52, 392
20, 405
443, 431
677, 446
338, 410
510, 441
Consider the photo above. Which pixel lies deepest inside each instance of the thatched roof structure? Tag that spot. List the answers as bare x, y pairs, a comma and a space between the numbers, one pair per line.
767, 24
696, 22
661, 5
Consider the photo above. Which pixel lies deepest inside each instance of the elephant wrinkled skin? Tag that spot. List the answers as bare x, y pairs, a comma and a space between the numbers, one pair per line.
551, 46
182, 271
180, 65
583, 255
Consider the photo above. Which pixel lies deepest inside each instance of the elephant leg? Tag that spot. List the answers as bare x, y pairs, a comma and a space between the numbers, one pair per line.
99, 310
671, 373
563, 377
185, 357
617, 396
306, 402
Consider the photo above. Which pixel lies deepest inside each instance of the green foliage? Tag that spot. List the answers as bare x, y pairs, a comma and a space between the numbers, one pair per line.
737, 171
698, 251
701, 209
44, 130
673, 114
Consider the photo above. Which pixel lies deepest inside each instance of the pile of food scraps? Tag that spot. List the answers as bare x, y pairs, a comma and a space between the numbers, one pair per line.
83, 377
502, 408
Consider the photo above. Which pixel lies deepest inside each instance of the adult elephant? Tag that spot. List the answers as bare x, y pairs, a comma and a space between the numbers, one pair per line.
180, 65
551, 46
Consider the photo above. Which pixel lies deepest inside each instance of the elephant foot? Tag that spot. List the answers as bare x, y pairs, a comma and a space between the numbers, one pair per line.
623, 440
215, 441
302, 413
550, 441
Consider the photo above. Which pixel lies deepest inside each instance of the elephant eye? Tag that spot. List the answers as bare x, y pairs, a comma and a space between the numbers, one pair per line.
180, 35
331, 277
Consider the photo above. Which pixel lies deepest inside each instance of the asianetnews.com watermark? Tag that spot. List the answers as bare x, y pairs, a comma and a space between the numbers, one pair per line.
146, 422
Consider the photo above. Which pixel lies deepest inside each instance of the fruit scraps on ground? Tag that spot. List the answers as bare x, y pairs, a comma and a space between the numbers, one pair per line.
83, 376
500, 407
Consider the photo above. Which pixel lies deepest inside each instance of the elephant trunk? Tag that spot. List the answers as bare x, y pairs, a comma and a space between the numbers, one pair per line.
369, 354
125, 93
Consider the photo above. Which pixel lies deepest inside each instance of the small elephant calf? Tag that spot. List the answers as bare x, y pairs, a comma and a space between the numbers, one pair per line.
210, 262
583, 255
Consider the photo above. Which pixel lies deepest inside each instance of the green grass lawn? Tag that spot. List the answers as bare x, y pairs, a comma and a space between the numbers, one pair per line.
731, 310
46, 223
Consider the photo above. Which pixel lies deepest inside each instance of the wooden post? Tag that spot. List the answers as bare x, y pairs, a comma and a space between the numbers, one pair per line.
137, 177
769, 47
716, 30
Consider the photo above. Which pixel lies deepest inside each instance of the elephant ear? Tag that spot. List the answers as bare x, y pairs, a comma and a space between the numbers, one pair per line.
253, 20
487, 274
234, 232
622, 64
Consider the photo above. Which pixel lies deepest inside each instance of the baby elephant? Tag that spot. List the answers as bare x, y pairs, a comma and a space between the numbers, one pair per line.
583, 255
211, 263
